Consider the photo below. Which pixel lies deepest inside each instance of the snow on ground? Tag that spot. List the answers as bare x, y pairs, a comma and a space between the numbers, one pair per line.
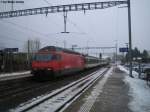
97, 90
139, 91
122, 68
13, 74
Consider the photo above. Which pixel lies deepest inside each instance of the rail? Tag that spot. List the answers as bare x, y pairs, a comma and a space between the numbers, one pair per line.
63, 96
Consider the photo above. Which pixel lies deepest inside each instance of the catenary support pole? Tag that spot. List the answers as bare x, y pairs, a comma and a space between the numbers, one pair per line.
130, 39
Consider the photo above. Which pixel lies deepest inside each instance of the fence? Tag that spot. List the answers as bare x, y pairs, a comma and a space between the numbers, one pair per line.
12, 62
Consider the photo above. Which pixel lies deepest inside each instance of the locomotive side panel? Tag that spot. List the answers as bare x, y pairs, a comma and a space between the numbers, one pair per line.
71, 63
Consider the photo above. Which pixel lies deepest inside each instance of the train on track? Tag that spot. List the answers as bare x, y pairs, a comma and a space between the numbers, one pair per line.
55, 61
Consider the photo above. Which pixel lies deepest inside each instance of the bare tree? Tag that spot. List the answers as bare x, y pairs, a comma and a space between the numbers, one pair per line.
31, 46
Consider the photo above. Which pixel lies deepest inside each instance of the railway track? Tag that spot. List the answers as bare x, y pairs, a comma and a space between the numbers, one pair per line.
15, 92
15, 83
11, 92
18, 87
56, 100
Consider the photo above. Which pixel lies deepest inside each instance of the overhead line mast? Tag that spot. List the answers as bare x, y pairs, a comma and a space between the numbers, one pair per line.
61, 8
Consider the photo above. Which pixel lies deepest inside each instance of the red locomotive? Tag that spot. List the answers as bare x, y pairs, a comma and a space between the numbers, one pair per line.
56, 61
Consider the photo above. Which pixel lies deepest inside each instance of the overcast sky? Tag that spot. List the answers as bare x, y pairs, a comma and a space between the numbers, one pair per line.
94, 28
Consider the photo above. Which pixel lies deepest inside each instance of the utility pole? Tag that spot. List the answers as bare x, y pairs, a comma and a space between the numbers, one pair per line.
130, 39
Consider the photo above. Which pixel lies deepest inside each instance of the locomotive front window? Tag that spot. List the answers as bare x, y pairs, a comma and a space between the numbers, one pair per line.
56, 57
43, 57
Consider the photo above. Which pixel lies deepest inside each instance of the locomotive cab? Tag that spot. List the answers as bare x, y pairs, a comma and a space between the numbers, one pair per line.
45, 63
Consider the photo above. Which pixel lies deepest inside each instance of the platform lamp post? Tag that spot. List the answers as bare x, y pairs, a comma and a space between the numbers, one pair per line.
116, 45
130, 39
127, 44
139, 59
127, 52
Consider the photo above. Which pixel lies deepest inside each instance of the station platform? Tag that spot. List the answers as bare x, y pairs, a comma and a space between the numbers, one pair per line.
14, 75
110, 94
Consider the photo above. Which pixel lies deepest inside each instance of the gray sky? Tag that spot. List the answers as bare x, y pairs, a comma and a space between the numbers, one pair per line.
94, 28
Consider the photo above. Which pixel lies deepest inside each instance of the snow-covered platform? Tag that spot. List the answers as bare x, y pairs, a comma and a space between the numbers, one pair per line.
116, 92
15, 75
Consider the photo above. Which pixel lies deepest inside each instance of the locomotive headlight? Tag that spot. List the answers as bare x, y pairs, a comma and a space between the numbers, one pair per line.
49, 69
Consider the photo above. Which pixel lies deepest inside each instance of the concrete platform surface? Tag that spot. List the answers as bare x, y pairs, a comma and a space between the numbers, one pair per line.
14, 75
109, 94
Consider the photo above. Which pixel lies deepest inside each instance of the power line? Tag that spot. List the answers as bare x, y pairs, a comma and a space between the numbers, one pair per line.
74, 24
23, 27
4, 43
26, 28
31, 30
46, 1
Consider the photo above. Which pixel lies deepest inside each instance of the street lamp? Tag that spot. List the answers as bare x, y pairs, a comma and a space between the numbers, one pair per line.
127, 45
